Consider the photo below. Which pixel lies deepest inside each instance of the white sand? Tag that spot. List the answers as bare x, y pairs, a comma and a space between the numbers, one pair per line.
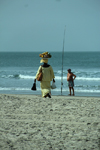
30, 122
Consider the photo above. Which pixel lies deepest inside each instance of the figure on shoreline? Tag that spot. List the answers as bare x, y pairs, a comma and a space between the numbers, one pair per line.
47, 75
70, 78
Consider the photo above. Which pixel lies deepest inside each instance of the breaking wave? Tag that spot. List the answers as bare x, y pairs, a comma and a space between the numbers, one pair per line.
20, 76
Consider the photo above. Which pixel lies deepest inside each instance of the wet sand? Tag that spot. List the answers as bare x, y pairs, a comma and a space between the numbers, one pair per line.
30, 122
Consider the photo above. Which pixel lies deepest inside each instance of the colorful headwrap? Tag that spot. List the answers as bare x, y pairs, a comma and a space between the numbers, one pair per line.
45, 57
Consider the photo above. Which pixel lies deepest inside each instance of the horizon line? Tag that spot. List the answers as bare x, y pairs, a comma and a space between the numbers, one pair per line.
40, 51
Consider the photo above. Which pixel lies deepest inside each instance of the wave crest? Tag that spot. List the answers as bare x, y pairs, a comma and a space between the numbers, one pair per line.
21, 76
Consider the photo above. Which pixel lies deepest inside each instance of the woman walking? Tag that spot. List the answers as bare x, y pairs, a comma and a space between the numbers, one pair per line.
48, 75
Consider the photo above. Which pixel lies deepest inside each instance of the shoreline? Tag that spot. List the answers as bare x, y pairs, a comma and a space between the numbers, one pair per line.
58, 96
53, 93
61, 122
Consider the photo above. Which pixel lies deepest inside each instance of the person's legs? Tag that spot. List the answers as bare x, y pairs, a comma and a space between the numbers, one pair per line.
69, 90
73, 90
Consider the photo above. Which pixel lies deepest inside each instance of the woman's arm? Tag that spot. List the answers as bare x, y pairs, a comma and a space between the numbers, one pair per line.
37, 73
52, 73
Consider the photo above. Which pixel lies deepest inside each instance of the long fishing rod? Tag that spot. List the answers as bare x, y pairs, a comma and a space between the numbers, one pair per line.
62, 60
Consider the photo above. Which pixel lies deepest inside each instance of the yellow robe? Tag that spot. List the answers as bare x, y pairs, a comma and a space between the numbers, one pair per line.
48, 75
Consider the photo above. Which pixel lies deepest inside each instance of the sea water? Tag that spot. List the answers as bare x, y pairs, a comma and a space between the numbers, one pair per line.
18, 70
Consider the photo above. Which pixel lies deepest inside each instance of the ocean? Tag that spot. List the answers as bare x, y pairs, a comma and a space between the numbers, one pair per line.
18, 70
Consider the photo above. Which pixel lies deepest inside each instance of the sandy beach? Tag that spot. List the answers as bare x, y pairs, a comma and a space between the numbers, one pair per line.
30, 122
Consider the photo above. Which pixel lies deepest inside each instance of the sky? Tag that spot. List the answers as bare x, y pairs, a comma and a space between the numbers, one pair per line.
39, 25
